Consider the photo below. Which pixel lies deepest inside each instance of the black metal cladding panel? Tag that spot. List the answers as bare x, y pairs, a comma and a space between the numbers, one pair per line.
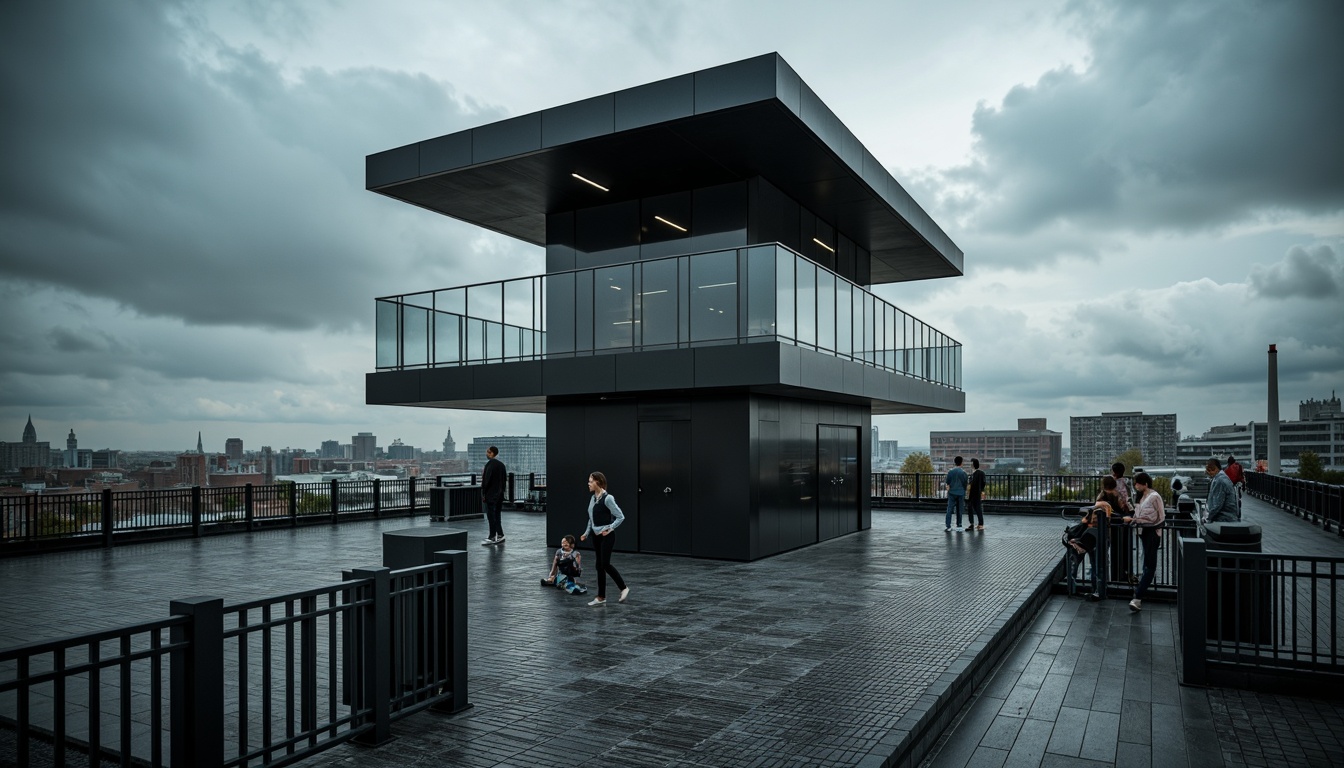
392, 166
655, 370
457, 383
580, 120
853, 377
823, 372
876, 383
392, 388
737, 365
445, 153
579, 375
654, 103
735, 84
517, 379
506, 138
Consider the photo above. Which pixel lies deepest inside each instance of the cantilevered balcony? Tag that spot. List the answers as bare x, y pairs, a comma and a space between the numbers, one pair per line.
761, 317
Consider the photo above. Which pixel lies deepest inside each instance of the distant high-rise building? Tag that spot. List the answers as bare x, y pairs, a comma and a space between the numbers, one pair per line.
1031, 445
233, 448
1311, 410
71, 450
28, 452
331, 449
192, 469
449, 447
365, 447
1096, 440
521, 454
267, 464
108, 458
400, 451
887, 450
874, 447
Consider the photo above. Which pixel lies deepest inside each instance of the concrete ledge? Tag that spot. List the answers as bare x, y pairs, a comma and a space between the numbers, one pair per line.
918, 731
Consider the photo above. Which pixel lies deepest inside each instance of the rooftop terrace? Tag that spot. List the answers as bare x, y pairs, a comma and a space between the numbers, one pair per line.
842, 654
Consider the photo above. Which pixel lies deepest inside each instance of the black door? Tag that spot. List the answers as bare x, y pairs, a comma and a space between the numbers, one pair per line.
837, 480
665, 487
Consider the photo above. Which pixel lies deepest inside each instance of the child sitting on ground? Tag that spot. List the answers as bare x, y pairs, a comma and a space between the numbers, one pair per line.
566, 566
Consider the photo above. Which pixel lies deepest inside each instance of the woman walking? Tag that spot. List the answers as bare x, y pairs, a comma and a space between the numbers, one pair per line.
604, 515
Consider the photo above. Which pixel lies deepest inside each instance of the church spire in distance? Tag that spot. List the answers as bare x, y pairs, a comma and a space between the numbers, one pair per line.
30, 432
199, 447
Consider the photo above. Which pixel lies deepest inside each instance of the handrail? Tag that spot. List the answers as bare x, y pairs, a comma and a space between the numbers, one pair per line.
777, 294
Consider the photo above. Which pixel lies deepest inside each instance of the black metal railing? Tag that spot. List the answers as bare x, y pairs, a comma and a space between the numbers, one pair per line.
268, 682
34, 522
1124, 561
764, 292
1253, 613
889, 487
1321, 503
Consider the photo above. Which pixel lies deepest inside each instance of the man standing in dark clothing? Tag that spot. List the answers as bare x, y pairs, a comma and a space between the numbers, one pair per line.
492, 494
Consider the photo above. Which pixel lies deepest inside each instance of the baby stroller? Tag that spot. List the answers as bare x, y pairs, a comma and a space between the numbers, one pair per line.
1074, 561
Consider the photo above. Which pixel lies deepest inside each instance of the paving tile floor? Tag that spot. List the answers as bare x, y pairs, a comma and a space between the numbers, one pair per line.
808, 658
1092, 684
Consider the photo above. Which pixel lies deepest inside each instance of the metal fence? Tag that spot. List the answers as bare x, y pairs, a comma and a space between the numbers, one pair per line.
35, 522
888, 487
1321, 503
1249, 615
1123, 561
268, 682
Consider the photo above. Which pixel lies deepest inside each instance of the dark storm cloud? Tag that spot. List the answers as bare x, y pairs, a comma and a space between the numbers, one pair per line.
1315, 273
1188, 116
150, 164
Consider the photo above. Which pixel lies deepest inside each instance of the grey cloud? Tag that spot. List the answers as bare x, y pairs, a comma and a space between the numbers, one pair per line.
1317, 273
219, 192
1189, 116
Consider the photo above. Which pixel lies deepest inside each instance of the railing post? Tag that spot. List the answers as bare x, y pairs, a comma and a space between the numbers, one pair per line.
410, 490
109, 519
455, 634
197, 684
249, 508
335, 501
917, 486
377, 497
196, 511
512, 496
375, 651
293, 491
1101, 562
1192, 610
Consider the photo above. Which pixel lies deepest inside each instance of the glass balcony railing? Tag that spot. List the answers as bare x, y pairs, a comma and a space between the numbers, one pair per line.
736, 296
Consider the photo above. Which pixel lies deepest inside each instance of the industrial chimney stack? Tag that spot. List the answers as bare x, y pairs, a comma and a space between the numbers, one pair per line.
1273, 455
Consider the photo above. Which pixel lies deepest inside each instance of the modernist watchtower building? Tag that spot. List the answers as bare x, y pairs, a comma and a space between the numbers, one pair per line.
703, 333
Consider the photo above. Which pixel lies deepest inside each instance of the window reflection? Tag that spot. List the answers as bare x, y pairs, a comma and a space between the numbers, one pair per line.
713, 300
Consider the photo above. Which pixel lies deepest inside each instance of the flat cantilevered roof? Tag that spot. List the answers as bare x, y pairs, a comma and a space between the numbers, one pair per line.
754, 117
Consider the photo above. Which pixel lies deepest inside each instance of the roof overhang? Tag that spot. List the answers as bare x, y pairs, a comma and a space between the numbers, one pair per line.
751, 118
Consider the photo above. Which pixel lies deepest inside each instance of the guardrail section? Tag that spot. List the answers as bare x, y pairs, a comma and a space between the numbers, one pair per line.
267, 682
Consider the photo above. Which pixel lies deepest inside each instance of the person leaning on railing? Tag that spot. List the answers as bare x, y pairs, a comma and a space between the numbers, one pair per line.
1149, 515
1223, 505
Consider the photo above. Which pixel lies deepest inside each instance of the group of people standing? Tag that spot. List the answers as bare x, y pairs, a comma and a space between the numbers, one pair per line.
966, 491
604, 517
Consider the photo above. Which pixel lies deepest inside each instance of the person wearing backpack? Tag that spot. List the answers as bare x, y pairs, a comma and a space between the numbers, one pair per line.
1149, 515
604, 515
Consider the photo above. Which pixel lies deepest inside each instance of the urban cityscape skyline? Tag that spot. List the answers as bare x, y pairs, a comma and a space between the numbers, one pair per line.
1122, 254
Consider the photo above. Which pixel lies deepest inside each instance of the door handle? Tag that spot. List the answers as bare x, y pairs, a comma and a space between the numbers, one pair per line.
667, 490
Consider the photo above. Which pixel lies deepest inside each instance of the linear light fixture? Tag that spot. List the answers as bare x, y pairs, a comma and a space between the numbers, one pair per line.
614, 287
715, 285
670, 224
650, 293
818, 242
590, 181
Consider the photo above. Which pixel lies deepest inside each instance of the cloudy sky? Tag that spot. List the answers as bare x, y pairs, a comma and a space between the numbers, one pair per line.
1148, 194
